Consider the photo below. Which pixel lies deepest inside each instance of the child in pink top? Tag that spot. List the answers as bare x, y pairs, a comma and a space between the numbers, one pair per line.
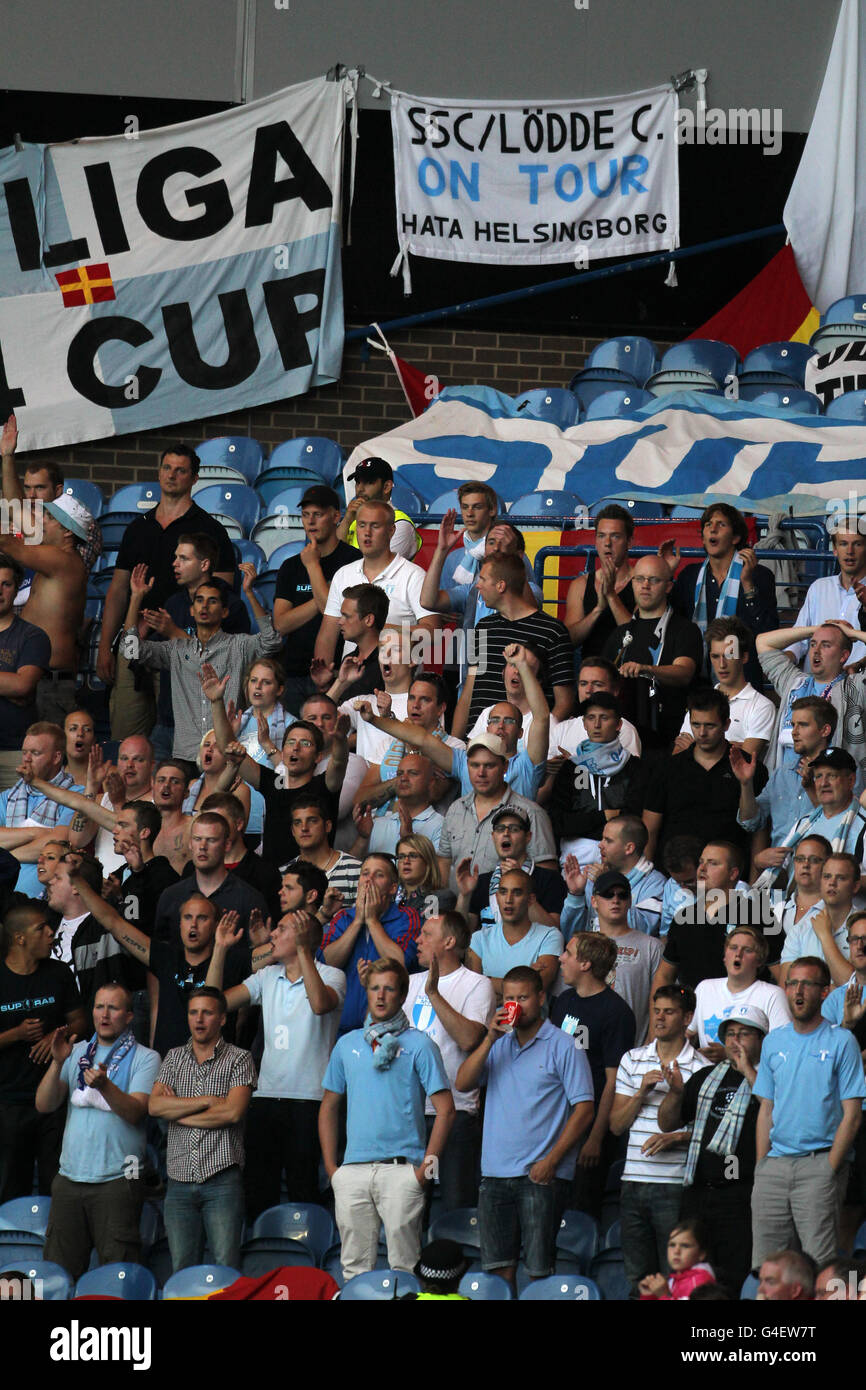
687, 1258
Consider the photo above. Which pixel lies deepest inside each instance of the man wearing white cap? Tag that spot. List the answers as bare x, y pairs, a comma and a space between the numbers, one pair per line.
57, 594
720, 1164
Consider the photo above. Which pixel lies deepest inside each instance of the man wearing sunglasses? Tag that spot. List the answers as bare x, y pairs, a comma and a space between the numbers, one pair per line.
637, 955
811, 1087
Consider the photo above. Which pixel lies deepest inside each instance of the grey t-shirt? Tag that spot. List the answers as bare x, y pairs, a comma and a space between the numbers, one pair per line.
637, 960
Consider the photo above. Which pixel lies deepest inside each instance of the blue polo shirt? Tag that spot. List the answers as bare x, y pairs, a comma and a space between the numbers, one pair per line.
531, 1092
522, 774
385, 1108
807, 1076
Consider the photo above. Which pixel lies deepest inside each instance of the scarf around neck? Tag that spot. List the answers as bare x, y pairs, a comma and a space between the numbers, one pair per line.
601, 759
382, 1037
118, 1065
728, 594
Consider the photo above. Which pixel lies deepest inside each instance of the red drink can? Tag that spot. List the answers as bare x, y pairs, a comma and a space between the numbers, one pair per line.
512, 1012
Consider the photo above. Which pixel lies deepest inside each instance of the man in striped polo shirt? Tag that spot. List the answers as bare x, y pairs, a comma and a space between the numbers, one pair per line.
652, 1180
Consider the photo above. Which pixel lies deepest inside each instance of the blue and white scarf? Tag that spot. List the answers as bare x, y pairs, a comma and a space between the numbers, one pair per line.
728, 594
601, 759
45, 812
466, 573
799, 830
727, 1136
279, 720
383, 1038
118, 1065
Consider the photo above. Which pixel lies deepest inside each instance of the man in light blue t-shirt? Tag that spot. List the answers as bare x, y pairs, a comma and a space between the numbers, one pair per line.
515, 940
97, 1196
810, 1084
386, 1070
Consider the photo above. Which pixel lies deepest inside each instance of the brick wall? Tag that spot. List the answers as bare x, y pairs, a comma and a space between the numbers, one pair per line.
366, 402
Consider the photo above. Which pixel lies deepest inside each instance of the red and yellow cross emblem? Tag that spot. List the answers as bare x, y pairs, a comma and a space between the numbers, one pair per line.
89, 284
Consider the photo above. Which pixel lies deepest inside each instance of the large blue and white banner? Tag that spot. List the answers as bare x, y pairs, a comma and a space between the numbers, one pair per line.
689, 448
520, 183
168, 275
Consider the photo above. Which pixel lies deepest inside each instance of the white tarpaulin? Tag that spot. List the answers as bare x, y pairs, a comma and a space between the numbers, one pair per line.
518, 183
168, 275
826, 209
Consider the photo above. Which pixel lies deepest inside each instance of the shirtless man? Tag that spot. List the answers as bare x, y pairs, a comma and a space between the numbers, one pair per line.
57, 593
169, 791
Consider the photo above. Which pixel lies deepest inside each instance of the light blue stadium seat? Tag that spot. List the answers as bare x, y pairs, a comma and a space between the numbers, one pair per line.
55, 1284
548, 504
287, 502
787, 359
127, 1281
608, 1272
679, 511
133, 499
555, 405
265, 587
276, 531
845, 319
274, 480
460, 1225
380, 1285
213, 473
16, 1246
649, 511
408, 500
233, 451
561, 1288
577, 1239
792, 399
485, 1288
621, 401
90, 495
638, 357
284, 552
612, 1239
598, 382
25, 1214
198, 1281
749, 1291
289, 1231
321, 456
249, 551
702, 355
850, 406
240, 503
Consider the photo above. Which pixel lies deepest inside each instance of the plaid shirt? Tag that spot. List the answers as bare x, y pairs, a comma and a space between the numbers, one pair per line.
194, 1155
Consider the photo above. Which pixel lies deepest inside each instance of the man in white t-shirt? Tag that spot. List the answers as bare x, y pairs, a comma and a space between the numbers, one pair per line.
716, 1000
400, 578
453, 1006
301, 1005
655, 1164
729, 644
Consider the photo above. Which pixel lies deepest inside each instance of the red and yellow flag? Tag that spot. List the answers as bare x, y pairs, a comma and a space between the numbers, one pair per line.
774, 307
89, 284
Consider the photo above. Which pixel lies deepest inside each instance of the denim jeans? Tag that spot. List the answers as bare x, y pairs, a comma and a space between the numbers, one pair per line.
212, 1209
511, 1208
648, 1213
162, 742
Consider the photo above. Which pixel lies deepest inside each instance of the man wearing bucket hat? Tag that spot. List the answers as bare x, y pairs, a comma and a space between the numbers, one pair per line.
374, 482
57, 594
720, 1164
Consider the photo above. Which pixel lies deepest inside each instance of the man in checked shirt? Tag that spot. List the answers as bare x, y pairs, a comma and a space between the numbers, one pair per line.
203, 1090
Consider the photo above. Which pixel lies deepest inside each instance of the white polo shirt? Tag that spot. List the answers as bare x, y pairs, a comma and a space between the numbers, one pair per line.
752, 716
401, 580
298, 1043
